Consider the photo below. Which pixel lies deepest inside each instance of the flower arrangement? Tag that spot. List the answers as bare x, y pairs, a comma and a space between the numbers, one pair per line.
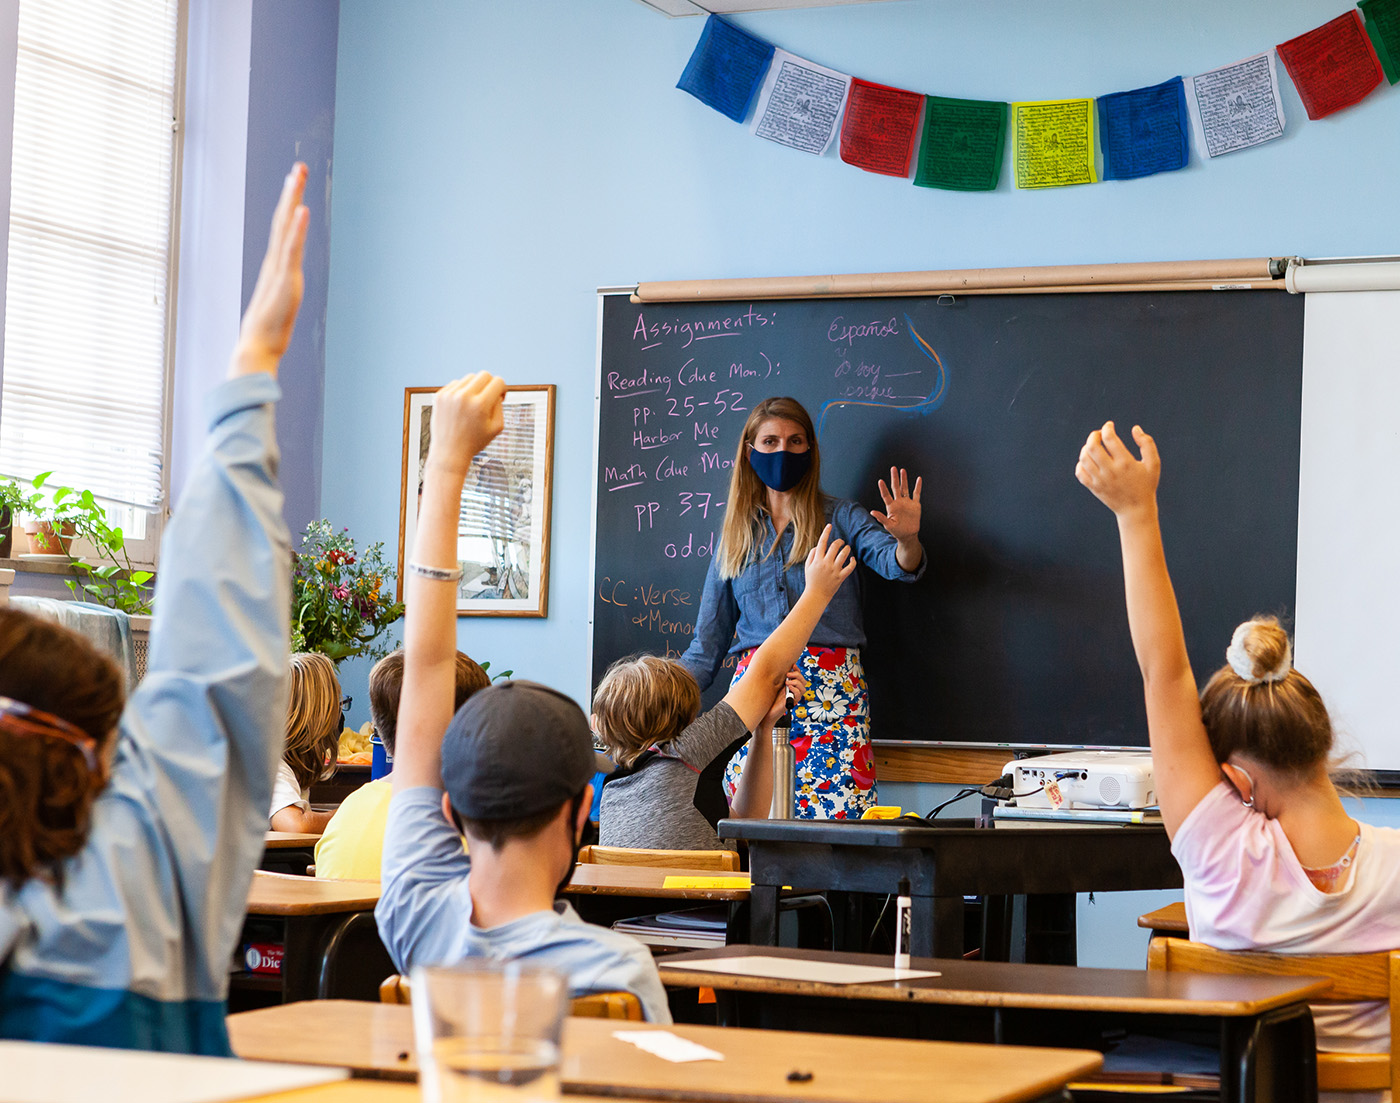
341, 600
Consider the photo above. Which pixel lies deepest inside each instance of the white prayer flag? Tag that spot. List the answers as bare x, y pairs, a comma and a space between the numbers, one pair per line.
1236, 106
800, 103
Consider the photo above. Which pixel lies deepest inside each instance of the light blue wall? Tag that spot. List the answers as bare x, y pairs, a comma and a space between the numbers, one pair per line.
498, 162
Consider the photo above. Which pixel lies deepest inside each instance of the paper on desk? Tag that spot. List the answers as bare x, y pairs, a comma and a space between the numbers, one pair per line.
667, 1046
1236, 106
796, 968
800, 103
47, 1073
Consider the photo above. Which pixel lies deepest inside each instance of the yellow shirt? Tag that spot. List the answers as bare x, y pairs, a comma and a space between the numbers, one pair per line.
353, 841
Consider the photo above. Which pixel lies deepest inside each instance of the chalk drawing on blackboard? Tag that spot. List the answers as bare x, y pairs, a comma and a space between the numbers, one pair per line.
925, 405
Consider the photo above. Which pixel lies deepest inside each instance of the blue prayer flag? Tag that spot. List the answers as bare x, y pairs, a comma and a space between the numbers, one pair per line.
726, 69
1144, 131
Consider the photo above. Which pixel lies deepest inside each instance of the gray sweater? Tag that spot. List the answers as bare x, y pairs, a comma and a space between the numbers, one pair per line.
657, 805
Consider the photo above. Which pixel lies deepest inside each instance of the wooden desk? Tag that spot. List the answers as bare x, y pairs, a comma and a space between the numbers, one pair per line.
755, 1068
1047, 863
288, 851
331, 945
1167, 920
1057, 1004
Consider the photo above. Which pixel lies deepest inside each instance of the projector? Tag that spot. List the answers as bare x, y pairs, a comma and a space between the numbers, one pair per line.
1084, 779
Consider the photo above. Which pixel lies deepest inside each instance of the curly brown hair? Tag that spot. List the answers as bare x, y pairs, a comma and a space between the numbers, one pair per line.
643, 700
46, 786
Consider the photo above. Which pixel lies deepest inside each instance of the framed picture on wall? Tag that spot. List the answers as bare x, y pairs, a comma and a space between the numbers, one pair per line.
503, 526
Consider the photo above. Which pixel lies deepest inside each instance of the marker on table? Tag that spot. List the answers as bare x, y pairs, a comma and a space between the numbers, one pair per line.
902, 910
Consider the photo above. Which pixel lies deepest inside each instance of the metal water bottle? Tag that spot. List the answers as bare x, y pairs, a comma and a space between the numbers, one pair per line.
784, 766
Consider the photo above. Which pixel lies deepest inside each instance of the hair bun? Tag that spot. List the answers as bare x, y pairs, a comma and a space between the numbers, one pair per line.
1260, 651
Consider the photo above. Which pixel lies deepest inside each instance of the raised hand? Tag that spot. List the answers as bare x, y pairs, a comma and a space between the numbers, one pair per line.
467, 415
272, 310
1119, 480
828, 564
793, 684
903, 512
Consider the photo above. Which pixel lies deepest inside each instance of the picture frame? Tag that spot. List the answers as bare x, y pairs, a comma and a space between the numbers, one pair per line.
503, 531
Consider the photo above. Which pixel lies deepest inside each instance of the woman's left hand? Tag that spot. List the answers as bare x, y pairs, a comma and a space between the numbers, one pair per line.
902, 509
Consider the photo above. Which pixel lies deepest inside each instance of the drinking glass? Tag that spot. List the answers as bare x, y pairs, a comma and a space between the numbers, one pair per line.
488, 1031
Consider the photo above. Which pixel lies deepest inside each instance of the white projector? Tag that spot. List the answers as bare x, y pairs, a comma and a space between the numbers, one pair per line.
1084, 779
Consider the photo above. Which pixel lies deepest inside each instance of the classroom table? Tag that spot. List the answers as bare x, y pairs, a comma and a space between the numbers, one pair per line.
327, 931
1169, 920
288, 851
603, 894
1005, 1002
1047, 863
370, 1038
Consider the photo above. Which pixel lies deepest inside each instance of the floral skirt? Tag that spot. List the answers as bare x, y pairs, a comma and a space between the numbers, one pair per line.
830, 737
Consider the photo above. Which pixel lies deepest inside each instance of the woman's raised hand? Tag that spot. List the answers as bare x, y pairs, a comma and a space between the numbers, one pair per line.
272, 310
467, 415
828, 564
902, 510
1118, 479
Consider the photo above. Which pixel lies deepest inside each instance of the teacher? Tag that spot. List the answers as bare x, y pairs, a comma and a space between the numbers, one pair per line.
775, 513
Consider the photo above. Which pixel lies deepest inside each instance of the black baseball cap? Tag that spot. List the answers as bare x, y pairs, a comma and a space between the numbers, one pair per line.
515, 749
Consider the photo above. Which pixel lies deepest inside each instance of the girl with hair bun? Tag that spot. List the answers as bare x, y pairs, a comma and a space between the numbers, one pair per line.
1270, 857
774, 514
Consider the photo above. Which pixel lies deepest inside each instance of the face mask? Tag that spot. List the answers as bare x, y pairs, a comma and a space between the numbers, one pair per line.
780, 470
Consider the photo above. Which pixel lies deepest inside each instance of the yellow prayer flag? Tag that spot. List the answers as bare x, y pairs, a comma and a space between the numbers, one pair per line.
1052, 143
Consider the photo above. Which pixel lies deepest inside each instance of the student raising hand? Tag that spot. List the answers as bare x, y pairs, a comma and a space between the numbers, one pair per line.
1108, 468
272, 310
828, 565
467, 415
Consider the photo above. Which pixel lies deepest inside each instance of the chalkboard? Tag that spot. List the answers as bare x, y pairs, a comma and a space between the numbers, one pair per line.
1016, 634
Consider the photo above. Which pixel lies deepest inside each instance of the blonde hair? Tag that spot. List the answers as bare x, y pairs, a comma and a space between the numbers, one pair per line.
643, 700
313, 718
1279, 721
742, 534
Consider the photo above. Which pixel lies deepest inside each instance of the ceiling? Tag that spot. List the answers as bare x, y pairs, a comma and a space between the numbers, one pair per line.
730, 7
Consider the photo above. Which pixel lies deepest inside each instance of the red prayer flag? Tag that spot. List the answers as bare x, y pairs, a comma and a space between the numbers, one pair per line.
1332, 66
878, 132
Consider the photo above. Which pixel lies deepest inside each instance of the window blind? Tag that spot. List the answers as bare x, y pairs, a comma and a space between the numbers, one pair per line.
83, 386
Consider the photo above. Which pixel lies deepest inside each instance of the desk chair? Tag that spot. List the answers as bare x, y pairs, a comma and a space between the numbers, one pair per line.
1169, 921
595, 1005
1373, 976
723, 860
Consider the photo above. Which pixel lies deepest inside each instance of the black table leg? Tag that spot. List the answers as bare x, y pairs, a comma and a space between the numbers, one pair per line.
937, 926
763, 915
1269, 1059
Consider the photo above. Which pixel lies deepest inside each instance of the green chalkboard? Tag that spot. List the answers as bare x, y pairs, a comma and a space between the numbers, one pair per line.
1016, 634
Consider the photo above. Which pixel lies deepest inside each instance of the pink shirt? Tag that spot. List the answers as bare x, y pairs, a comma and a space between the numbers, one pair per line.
1246, 890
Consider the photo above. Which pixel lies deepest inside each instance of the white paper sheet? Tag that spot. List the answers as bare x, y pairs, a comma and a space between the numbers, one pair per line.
800, 103
668, 1046
796, 968
41, 1073
1236, 106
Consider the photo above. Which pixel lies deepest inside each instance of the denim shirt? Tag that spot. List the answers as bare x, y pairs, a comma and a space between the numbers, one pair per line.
739, 613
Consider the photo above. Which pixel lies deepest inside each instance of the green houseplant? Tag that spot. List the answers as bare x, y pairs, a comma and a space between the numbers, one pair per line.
341, 600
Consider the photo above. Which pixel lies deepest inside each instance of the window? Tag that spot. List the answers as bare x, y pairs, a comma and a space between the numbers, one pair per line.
85, 379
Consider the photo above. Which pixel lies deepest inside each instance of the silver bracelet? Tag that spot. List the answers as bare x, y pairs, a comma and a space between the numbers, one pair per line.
437, 574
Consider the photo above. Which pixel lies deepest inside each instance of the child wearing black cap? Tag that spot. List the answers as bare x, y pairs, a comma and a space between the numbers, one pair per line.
512, 768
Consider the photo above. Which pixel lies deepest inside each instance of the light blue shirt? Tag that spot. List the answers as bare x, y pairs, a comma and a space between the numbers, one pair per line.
130, 945
425, 915
738, 613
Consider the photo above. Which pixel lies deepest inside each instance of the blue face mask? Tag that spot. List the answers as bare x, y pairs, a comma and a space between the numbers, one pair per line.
780, 471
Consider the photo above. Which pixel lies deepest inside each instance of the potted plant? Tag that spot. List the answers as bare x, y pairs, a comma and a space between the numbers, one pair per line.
44, 521
115, 583
340, 598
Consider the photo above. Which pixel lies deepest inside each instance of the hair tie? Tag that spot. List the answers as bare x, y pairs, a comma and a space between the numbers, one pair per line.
1242, 663
17, 718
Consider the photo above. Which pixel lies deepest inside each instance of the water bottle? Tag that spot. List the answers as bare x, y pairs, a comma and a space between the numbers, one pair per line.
784, 767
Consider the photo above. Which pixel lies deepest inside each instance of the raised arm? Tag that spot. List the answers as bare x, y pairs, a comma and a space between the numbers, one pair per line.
1184, 768
903, 513
467, 415
828, 564
753, 793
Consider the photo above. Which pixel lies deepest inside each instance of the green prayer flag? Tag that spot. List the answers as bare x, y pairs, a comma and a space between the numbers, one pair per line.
1383, 26
962, 144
